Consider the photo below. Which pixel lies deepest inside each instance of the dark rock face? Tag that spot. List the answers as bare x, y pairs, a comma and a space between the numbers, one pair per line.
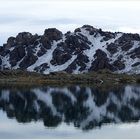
49, 36
127, 37
77, 30
46, 42
42, 51
136, 64
101, 62
74, 45
85, 49
28, 60
11, 42
112, 48
53, 34
4, 51
125, 41
16, 55
42, 68
25, 38
135, 53
119, 65
80, 61
127, 46
90, 29
1, 50
71, 67
60, 58
107, 35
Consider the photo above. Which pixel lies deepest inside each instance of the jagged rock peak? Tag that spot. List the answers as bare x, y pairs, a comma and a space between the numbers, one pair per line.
86, 49
89, 28
53, 33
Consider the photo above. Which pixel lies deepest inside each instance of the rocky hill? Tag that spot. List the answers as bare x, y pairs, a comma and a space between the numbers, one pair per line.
86, 49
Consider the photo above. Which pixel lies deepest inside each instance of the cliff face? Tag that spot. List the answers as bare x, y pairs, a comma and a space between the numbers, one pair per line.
86, 49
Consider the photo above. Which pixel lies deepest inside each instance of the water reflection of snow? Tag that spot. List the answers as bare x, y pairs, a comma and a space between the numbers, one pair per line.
62, 101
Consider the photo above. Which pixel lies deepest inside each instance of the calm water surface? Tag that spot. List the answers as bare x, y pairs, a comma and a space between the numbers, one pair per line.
70, 112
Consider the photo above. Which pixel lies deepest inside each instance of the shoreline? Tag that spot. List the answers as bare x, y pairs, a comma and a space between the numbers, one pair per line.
100, 78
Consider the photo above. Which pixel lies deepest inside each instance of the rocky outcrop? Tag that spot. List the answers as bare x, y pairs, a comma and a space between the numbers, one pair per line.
28, 60
49, 36
85, 49
101, 61
16, 55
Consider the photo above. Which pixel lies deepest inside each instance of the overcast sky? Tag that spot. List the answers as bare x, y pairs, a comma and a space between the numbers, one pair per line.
36, 15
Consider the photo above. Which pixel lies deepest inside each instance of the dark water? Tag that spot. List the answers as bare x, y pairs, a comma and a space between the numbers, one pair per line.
70, 112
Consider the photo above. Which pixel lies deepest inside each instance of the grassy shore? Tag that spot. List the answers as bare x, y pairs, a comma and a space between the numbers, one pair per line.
103, 77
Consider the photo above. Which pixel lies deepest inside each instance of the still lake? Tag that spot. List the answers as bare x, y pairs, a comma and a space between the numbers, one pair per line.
70, 112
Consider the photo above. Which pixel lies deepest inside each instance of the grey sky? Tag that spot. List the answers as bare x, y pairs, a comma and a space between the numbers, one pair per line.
36, 15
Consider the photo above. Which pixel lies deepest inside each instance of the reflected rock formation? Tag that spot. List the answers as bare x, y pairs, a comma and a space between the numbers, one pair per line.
83, 107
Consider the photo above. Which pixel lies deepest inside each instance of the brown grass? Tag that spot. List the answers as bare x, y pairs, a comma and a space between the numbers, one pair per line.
103, 77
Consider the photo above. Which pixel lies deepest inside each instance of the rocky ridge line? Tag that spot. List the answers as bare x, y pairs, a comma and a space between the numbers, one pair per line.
84, 50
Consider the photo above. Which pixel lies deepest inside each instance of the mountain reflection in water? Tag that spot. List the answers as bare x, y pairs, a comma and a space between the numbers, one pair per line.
84, 107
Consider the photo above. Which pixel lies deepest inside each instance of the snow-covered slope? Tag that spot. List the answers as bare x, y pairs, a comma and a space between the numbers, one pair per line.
85, 49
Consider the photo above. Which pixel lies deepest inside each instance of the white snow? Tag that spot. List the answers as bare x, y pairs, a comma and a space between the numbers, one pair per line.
76, 71
12, 48
96, 113
5, 62
128, 61
60, 67
96, 44
136, 44
37, 48
47, 57
44, 58
17, 65
47, 99
66, 92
